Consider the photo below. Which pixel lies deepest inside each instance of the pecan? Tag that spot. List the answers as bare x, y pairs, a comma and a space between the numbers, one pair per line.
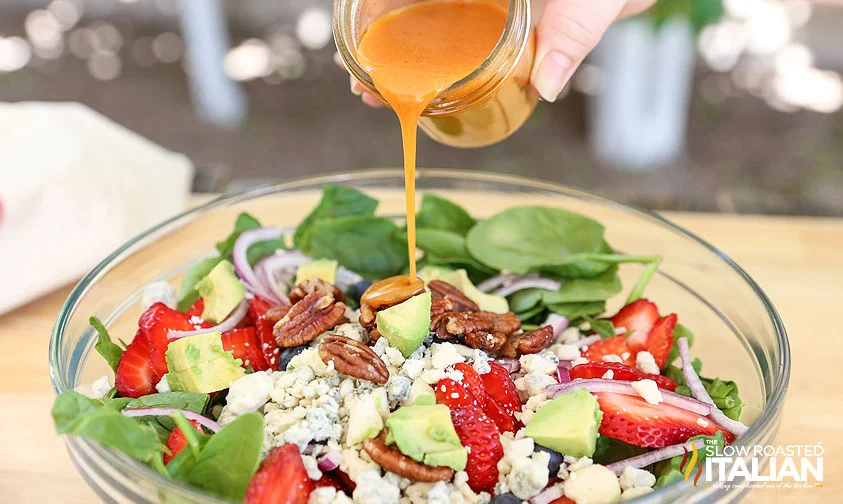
312, 285
396, 462
444, 290
483, 330
486, 341
367, 316
353, 358
527, 343
442, 306
313, 315
276, 313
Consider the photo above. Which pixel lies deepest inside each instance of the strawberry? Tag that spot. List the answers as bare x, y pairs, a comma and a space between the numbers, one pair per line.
258, 306
196, 308
610, 346
281, 479
660, 339
176, 441
244, 344
619, 372
472, 380
637, 318
499, 385
562, 500
633, 420
156, 322
329, 480
477, 433
268, 345
135, 376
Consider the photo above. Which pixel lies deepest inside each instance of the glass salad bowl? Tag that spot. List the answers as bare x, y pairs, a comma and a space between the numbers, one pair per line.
739, 335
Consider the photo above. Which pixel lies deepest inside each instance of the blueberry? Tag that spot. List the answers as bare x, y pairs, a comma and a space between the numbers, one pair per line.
358, 289
555, 459
505, 499
287, 355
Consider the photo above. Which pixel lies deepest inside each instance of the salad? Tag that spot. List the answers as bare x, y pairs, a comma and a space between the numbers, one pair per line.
311, 369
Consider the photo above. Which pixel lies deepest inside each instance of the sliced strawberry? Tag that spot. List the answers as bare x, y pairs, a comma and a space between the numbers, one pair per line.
176, 442
196, 308
269, 347
157, 322
619, 372
329, 480
500, 386
281, 479
244, 344
562, 500
610, 346
477, 433
637, 318
660, 339
472, 380
258, 306
633, 420
135, 376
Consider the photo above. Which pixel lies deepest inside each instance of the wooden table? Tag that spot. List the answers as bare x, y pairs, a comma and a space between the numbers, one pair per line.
797, 261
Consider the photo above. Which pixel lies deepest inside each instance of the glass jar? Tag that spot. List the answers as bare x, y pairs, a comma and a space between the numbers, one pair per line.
484, 107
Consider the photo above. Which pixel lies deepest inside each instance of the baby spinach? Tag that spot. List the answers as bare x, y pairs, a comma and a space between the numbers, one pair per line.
337, 201
187, 292
725, 394
437, 212
669, 470
532, 238
259, 250
229, 459
573, 311
679, 331
578, 290
109, 350
601, 326
244, 222
77, 415
362, 243
526, 299
445, 248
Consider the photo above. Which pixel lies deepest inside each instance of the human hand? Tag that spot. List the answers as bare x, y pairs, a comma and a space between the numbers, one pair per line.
567, 31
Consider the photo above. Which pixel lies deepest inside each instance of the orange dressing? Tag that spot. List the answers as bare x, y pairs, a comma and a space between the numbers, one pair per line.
412, 55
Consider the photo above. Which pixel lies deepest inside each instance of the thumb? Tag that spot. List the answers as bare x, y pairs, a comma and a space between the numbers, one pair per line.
567, 31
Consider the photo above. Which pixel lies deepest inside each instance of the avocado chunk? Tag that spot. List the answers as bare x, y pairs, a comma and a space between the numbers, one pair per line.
406, 324
364, 420
323, 269
200, 364
567, 424
221, 292
460, 280
424, 432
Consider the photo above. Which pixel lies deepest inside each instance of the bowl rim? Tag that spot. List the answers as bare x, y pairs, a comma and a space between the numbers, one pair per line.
765, 419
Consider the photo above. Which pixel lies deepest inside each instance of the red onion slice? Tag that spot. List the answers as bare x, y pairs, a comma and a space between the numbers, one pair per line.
226, 325
279, 267
330, 461
548, 495
625, 387
528, 283
241, 262
645, 459
511, 365
190, 415
566, 364
692, 379
557, 322
496, 281
563, 375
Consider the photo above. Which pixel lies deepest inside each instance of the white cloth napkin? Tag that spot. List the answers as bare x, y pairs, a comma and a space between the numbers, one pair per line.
74, 186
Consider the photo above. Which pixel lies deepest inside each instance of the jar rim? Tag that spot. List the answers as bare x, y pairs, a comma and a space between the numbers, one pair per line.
516, 29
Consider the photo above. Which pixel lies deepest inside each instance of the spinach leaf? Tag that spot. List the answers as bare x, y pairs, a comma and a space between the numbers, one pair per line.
229, 459
578, 290
337, 201
526, 299
668, 471
244, 222
603, 327
445, 248
105, 346
525, 239
573, 311
192, 401
610, 450
261, 249
77, 415
364, 244
679, 331
439, 213
187, 292
725, 394
529, 314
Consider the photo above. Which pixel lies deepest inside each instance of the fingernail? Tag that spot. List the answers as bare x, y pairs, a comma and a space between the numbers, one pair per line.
552, 74
356, 88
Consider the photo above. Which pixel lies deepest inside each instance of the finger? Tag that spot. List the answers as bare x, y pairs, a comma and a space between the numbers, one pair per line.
567, 31
371, 101
338, 60
634, 7
356, 88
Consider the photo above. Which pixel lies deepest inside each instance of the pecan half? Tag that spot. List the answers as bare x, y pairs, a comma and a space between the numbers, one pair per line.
313, 315
353, 358
527, 343
312, 285
276, 313
486, 341
442, 306
483, 330
444, 290
396, 462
